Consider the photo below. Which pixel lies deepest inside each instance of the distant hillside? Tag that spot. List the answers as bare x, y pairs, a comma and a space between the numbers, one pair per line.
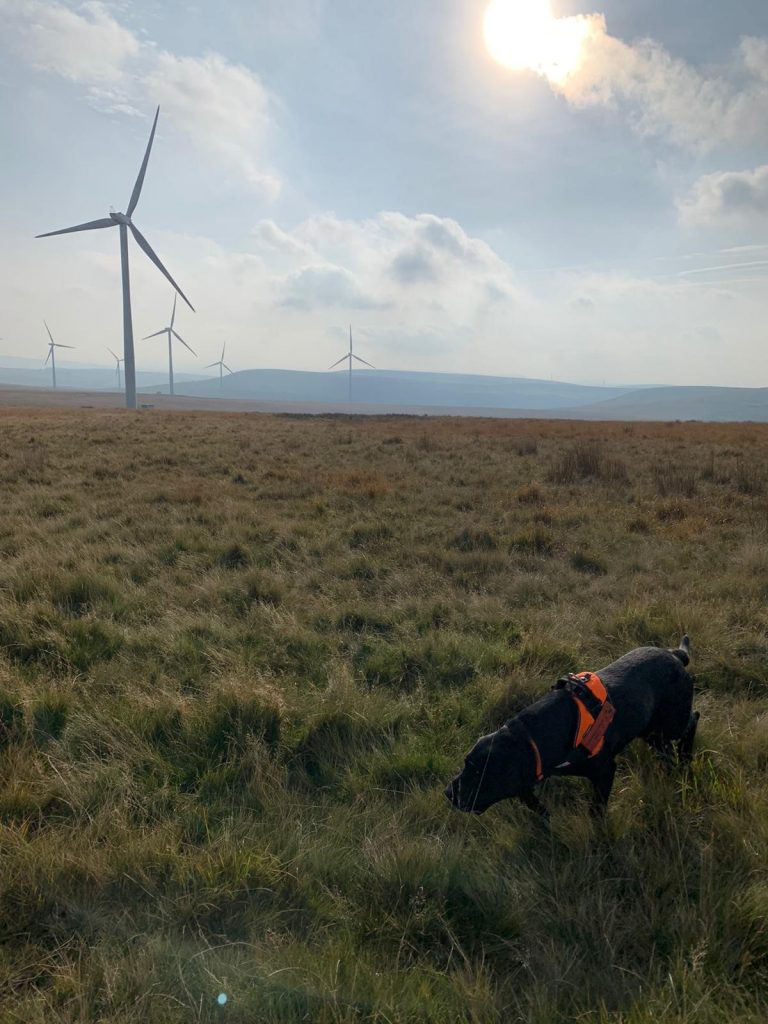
401, 388
498, 396
719, 405
432, 394
83, 378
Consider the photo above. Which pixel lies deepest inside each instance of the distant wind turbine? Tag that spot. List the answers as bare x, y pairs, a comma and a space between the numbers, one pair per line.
350, 356
171, 335
52, 345
118, 360
124, 222
221, 365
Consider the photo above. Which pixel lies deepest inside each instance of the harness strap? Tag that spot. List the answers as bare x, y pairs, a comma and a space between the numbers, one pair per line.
537, 755
538, 766
594, 708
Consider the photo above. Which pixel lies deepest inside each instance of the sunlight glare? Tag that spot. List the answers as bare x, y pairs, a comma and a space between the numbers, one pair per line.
524, 35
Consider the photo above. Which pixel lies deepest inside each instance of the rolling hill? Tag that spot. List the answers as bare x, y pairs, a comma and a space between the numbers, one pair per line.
400, 388
85, 378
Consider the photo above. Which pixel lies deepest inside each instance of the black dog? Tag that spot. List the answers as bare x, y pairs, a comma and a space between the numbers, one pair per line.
649, 695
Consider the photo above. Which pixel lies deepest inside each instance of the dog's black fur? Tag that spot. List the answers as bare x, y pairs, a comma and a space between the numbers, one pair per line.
653, 697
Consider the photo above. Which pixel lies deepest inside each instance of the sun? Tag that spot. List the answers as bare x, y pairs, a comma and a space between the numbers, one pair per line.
524, 35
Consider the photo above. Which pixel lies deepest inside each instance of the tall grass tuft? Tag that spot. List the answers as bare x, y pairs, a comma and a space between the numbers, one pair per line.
674, 479
587, 460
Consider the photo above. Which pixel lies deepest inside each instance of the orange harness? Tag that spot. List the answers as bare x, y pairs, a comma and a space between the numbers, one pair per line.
595, 714
595, 710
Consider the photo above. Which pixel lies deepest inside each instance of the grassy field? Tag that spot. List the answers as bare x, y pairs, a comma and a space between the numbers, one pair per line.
240, 656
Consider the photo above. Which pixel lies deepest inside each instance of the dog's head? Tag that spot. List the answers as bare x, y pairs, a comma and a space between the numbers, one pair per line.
496, 768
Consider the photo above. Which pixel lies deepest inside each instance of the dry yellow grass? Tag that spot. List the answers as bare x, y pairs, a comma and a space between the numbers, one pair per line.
240, 655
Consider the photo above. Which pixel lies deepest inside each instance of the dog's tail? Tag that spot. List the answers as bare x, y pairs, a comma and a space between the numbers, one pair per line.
683, 651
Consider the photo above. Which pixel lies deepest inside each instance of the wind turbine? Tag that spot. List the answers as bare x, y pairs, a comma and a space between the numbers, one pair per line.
123, 222
118, 360
221, 365
350, 356
51, 354
171, 335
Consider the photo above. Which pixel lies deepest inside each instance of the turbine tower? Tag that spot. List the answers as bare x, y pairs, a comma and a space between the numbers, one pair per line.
118, 360
221, 365
171, 335
51, 353
123, 222
350, 356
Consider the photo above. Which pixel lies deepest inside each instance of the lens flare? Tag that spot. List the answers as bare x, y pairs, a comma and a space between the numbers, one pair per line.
524, 35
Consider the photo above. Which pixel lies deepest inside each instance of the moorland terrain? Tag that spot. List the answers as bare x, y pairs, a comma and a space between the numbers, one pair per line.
240, 656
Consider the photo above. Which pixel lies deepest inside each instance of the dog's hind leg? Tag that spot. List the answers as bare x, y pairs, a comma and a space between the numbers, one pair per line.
685, 743
663, 746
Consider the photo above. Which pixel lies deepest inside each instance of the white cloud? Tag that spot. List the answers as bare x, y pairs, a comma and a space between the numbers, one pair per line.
223, 109
220, 106
427, 267
326, 287
726, 198
755, 53
90, 47
662, 95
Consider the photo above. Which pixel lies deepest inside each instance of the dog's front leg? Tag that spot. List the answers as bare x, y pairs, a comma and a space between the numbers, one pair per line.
531, 800
602, 784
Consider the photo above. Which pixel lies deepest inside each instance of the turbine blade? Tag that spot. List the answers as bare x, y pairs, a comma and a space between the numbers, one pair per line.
155, 335
144, 244
227, 368
178, 337
113, 354
210, 365
49, 333
363, 361
173, 314
104, 222
50, 350
142, 170
223, 350
57, 344
346, 356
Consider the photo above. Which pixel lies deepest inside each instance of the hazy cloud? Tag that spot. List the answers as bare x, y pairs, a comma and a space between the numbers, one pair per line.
414, 265
664, 96
222, 108
727, 197
90, 47
325, 288
423, 264
755, 53
444, 233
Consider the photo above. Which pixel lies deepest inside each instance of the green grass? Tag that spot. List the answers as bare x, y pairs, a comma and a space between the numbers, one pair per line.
240, 656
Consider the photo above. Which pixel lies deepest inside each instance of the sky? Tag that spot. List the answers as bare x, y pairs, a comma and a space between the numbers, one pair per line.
599, 214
